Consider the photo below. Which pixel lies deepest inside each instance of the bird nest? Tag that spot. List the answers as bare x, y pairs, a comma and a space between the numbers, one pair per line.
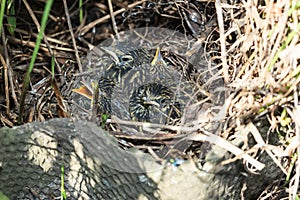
252, 47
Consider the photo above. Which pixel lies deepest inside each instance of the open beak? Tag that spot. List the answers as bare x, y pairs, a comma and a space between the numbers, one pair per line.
153, 103
158, 58
85, 90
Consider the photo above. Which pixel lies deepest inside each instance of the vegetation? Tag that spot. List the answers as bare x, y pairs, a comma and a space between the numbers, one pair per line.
255, 45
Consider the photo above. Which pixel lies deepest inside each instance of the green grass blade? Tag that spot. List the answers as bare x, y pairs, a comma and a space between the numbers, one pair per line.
63, 191
2, 9
80, 11
11, 19
34, 55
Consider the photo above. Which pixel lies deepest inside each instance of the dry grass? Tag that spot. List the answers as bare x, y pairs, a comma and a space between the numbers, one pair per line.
255, 43
261, 67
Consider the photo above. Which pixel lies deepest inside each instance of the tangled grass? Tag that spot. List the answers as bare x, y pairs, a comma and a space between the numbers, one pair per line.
261, 67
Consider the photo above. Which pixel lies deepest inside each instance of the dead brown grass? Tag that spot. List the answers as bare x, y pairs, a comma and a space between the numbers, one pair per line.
262, 68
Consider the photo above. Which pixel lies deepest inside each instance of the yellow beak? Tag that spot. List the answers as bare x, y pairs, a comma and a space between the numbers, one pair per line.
158, 58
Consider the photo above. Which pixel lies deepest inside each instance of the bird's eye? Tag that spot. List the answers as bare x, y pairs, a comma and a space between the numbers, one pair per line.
150, 5
195, 17
126, 58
